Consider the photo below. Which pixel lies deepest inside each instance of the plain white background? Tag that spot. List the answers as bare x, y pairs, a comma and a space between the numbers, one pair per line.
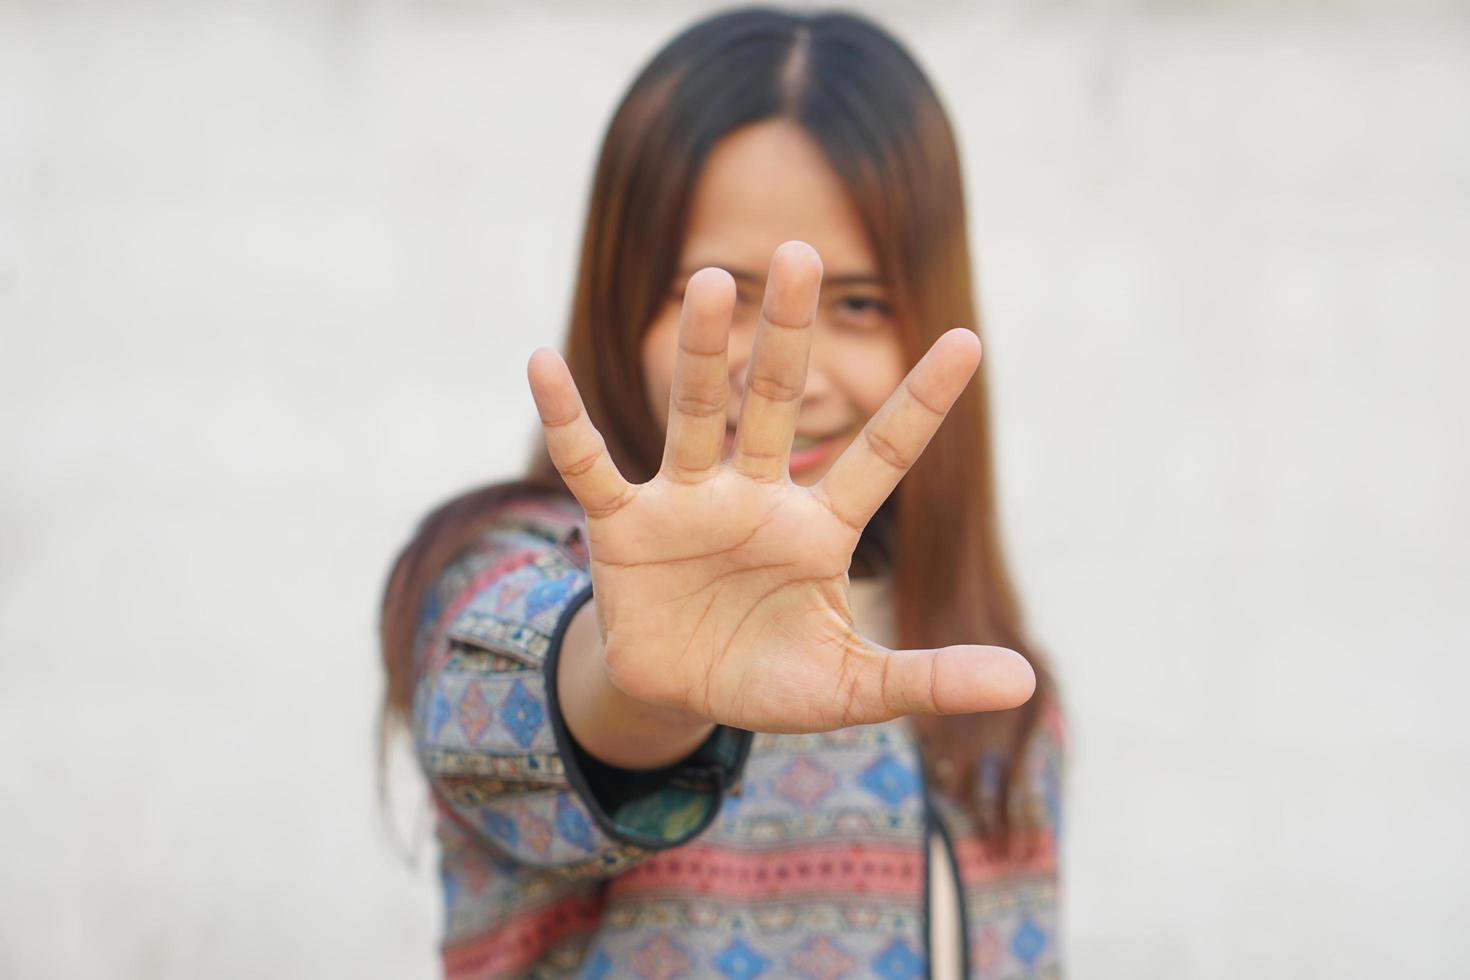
269, 276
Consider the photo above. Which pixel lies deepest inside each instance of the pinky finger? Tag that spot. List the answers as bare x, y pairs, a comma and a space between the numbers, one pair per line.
577, 449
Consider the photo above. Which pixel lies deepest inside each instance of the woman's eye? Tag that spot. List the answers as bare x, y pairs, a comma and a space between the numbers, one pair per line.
862, 310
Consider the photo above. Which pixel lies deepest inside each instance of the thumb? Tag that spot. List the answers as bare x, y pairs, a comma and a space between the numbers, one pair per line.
952, 680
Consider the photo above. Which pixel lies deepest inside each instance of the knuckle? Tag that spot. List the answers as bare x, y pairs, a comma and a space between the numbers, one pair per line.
582, 464
931, 409
699, 404
562, 423
598, 512
886, 450
774, 389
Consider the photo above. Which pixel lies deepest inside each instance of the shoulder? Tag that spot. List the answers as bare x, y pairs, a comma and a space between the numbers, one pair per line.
495, 534
554, 518
515, 518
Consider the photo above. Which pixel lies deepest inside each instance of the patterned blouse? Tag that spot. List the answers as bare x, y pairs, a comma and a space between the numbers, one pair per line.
759, 855
871, 600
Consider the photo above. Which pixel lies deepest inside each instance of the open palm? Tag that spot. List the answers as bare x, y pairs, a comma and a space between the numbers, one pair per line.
720, 585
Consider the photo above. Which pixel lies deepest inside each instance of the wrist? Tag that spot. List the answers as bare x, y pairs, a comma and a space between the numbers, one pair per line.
608, 723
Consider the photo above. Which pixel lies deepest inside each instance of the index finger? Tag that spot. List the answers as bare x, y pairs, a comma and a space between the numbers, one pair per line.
576, 448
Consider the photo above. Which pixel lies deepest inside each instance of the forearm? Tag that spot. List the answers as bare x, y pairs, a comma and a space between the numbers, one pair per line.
608, 724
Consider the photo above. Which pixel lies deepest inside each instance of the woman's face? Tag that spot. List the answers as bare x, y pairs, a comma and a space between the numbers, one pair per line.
762, 185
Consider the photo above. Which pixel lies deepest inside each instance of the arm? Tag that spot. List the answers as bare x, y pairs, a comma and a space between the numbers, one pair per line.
502, 763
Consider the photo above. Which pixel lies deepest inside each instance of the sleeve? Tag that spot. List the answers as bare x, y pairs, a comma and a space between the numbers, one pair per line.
1032, 923
1047, 761
1013, 899
500, 761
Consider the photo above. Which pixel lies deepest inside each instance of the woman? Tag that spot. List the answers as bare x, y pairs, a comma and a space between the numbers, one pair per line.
705, 694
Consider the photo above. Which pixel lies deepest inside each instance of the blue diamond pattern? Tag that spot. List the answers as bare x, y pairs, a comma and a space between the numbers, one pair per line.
499, 826
544, 595
889, 780
598, 966
521, 714
439, 712
898, 962
1028, 942
1051, 793
728, 806
740, 962
572, 825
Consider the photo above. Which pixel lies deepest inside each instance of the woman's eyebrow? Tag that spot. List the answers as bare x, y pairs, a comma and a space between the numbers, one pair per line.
841, 279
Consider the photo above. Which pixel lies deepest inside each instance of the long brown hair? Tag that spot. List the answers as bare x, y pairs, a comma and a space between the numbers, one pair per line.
867, 103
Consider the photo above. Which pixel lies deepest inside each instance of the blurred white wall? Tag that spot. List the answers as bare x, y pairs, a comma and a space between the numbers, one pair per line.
268, 281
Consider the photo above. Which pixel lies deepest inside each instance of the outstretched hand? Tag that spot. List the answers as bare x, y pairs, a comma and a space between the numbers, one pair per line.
720, 585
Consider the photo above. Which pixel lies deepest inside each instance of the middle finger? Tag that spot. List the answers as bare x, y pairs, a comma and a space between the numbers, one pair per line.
776, 376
